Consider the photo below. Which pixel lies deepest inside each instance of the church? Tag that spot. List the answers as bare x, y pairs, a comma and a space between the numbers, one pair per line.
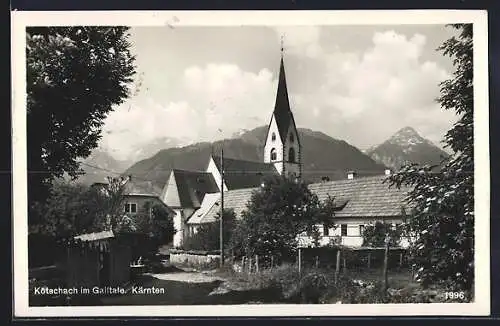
194, 196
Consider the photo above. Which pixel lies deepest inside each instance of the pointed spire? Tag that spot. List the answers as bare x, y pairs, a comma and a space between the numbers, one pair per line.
282, 110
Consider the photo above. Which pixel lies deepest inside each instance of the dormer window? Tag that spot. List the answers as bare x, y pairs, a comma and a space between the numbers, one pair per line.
273, 154
273, 136
292, 139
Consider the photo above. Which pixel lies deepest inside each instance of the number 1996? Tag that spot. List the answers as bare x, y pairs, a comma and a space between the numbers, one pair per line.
454, 295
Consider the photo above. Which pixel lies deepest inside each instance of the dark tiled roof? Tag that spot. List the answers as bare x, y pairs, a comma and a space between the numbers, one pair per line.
192, 187
239, 174
364, 197
141, 188
233, 199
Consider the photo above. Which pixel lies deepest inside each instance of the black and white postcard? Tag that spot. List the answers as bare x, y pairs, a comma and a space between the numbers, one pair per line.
300, 163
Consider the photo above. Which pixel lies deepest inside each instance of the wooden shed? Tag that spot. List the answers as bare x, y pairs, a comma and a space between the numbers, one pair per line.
98, 259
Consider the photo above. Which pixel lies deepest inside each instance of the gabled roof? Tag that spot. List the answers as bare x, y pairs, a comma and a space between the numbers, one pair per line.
141, 188
233, 199
240, 174
282, 112
208, 201
364, 197
187, 188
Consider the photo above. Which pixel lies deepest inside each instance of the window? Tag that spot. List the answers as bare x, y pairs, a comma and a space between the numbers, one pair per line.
273, 136
343, 230
325, 230
361, 229
291, 155
273, 154
131, 208
292, 139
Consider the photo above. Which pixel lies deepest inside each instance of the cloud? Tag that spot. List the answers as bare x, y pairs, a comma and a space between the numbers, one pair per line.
378, 91
221, 99
362, 96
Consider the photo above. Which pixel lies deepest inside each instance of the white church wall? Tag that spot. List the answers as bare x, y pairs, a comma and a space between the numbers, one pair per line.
277, 144
292, 167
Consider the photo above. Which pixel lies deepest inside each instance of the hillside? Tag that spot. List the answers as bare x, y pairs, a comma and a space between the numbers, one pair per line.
99, 165
405, 146
323, 156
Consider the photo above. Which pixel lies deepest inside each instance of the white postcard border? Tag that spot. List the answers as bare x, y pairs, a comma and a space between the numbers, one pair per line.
22, 19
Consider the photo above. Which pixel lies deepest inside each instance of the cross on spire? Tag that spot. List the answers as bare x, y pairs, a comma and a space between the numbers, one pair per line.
282, 42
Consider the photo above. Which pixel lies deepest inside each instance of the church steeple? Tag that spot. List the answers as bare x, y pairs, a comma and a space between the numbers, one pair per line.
282, 147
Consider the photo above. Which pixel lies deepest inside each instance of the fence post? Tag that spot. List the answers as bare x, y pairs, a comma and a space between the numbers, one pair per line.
317, 261
300, 259
250, 265
243, 263
369, 260
386, 259
400, 260
272, 262
257, 263
337, 266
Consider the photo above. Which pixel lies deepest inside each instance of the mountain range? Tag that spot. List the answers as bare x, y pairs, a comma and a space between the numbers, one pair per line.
406, 146
323, 156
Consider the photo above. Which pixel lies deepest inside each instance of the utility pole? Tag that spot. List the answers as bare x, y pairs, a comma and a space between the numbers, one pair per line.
221, 222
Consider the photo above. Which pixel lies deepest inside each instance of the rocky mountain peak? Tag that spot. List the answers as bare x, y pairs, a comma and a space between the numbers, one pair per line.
406, 136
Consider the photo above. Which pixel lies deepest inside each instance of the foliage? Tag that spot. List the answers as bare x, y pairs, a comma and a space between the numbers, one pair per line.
75, 75
207, 236
155, 225
276, 214
374, 235
443, 214
74, 209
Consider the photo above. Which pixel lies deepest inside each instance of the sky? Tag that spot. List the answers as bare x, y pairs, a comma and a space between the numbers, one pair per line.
360, 84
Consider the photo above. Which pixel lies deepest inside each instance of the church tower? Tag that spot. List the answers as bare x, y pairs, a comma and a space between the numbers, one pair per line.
282, 146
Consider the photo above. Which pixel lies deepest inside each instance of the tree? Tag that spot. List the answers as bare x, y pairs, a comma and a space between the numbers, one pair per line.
276, 214
75, 75
443, 214
207, 236
153, 224
374, 235
73, 208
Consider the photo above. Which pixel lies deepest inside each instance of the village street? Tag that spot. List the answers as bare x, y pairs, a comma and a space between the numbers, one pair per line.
188, 288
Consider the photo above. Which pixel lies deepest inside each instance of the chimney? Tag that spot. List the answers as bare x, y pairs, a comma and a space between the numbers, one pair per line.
351, 175
388, 172
325, 179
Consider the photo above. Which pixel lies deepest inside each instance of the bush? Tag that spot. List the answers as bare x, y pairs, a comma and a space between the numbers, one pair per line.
207, 236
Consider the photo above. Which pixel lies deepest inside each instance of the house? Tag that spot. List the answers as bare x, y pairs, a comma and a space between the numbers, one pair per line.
97, 259
360, 202
141, 196
138, 197
184, 193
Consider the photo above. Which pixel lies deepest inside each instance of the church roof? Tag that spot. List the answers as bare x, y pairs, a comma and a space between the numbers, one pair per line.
282, 112
187, 188
240, 174
363, 197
